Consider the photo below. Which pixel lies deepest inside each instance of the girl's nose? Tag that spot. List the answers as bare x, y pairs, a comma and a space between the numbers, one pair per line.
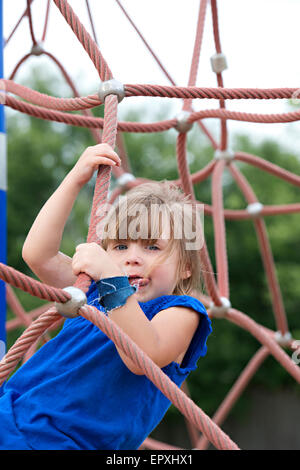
133, 256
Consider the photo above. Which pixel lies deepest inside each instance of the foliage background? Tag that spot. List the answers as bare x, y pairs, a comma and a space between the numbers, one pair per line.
40, 154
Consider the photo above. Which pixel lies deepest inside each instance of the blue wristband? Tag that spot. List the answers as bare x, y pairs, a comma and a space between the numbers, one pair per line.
114, 292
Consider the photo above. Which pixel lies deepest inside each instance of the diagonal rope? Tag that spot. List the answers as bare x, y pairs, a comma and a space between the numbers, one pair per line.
85, 39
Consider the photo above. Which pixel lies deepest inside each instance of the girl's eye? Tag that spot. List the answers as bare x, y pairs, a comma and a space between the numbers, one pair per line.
153, 247
120, 247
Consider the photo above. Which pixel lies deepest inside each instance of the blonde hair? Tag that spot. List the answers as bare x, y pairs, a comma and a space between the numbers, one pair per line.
162, 201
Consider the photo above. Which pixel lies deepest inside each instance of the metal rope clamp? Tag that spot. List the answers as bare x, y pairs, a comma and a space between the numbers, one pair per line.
124, 179
111, 87
227, 155
254, 209
219, 311
183, 125
71, 308
218, 62
283, 339
37, 49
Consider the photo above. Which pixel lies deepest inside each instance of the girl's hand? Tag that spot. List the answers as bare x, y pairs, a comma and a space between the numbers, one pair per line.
88, 163
92, 259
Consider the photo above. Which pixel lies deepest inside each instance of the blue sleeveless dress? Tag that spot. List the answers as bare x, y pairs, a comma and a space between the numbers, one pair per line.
76, 393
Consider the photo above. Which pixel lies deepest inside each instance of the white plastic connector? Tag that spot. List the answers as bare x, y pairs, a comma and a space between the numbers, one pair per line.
124, 179
70, 308
220, 311
218, 63
283, 340
37, 49
255, 208
111, 87
182, 124
227, 155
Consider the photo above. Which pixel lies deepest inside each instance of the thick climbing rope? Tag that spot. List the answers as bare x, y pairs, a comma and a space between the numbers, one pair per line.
57, 109
145, 90
33, 287
82, 121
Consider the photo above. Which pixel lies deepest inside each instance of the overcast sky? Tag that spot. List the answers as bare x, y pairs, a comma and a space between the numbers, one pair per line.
261, 39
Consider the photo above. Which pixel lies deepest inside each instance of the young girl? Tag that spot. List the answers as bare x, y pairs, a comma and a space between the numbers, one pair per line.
79, 391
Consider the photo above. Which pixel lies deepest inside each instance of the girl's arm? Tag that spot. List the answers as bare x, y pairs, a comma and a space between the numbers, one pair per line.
41, 247
165, 338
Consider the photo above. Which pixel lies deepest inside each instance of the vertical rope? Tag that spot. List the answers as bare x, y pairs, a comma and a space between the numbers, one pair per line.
214, 10
219, 229
197, 49
99, 206
207, 270
91, 21
46, 21
30, 22
266, 253
183, 168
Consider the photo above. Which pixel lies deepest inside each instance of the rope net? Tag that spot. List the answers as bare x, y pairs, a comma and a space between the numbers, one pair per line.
46, 318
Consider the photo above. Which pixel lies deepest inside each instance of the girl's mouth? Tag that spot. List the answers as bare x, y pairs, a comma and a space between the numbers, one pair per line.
138, 281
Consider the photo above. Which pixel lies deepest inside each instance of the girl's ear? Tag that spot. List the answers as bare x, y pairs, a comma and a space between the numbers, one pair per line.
187, 273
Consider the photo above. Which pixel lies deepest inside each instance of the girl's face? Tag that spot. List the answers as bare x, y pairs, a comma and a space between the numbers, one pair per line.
135, 258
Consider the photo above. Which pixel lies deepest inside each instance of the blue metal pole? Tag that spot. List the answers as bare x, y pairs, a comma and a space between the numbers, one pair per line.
3, 187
